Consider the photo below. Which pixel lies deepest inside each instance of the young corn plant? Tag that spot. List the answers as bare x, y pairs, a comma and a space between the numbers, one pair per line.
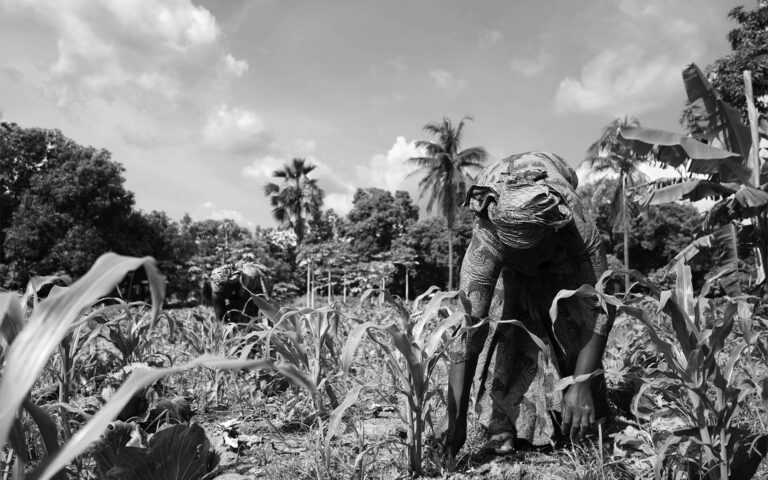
29, 346
420, 340
420, 337
132, 332
305, 338
204, 335
699, 373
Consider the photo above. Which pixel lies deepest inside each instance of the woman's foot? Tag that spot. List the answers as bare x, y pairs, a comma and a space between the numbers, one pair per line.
501, 443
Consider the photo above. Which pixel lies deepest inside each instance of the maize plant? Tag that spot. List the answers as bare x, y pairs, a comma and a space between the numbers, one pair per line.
420, 339
699, 376
305, 338
30, 345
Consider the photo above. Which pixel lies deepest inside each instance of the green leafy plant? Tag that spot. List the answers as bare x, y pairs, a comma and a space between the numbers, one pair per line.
413, 347
420, 340
698, 376
132, 332
31, 344
305, 338
180, 452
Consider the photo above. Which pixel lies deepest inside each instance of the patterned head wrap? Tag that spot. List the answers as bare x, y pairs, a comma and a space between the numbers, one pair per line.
522, 207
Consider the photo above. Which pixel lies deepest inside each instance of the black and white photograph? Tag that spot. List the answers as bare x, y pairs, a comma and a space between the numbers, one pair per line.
393, 239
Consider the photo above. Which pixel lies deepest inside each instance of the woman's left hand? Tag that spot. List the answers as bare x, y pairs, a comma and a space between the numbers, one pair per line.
578, 410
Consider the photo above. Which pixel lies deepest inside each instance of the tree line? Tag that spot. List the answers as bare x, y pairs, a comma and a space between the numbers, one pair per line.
63, 204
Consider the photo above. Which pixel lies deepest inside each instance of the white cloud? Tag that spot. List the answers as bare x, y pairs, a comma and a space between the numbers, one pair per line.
237, 67
236, 130
328, 178
398, 63
263, 167
447, 82
125, 49
341, 203
389, 171
489, 38
619, 80
637, 71
209, 210
223, 214
531, 67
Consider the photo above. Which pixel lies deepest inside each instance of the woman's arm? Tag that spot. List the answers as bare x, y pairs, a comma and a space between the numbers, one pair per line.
578, 404
479, 273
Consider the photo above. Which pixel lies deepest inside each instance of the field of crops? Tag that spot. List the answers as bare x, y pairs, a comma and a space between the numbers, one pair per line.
127, 391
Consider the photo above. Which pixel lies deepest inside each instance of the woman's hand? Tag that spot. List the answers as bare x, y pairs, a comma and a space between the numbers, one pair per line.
578, 410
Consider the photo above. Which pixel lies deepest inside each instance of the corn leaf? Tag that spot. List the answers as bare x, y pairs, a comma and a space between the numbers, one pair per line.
51, 321
412, 356
570, 379
684, 288
266, 307
431, 311
420, 298
11, 316
436, 335
338, 413
353, 341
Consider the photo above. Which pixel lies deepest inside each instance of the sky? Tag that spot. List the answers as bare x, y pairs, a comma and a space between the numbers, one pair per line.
201, 101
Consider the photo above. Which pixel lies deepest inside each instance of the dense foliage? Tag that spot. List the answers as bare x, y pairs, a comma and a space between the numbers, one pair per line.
749, 45
64, 204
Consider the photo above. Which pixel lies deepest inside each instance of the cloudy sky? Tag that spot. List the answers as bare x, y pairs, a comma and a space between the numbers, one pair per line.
202, 100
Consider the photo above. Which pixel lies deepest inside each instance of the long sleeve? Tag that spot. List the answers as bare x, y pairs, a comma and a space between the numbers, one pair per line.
591, 263
479, 273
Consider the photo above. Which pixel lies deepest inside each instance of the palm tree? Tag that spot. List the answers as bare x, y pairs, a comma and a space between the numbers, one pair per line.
445, 173
607, 154
300, 198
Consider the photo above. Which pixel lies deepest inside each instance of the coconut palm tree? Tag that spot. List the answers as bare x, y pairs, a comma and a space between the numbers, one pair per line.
607, 154
445, 172
298, 200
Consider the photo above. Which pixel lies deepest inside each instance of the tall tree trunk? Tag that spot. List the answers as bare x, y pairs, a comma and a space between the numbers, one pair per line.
754, 152
314, 287
309, 286
2, 225
381, 295
754, 163
625, 221
406, 284
450, 259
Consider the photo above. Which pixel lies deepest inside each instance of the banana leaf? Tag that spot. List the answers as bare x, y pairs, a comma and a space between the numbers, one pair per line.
674, 149
716, 118
663, 191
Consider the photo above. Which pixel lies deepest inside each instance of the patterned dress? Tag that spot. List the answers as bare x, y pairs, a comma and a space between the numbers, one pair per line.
514, 379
